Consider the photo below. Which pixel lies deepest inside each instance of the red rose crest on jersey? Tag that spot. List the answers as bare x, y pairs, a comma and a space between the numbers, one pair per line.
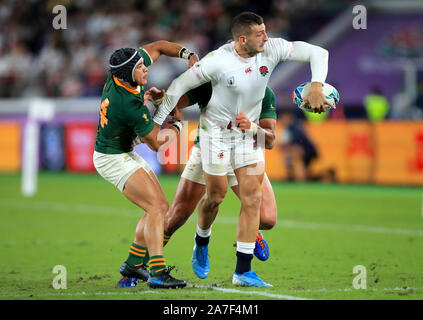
248, 70
264, 70
220, 155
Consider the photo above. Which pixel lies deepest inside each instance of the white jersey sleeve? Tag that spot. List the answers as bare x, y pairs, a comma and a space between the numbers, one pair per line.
203, 71
279, 49
207, 68
318, 57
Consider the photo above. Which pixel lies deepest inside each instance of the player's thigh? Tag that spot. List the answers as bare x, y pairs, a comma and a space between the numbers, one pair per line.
216, 187
143, 189
250, 180
215, 153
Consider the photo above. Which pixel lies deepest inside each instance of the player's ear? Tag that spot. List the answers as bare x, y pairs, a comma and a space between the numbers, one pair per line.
242, 39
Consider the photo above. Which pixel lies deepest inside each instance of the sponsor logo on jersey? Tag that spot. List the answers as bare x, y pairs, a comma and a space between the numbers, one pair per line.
145, 118
220, 155
231, 81
264, 70
248, 70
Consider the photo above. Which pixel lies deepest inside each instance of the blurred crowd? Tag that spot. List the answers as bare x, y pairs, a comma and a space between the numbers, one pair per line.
36, 59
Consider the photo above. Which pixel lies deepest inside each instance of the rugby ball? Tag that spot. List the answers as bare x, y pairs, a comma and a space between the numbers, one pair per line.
302, 90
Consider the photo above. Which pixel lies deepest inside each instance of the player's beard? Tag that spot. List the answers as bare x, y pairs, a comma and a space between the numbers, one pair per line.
251, 48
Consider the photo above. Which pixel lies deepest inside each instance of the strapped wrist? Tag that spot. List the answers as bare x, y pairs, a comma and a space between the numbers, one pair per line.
178, 124
253, 128
184, 53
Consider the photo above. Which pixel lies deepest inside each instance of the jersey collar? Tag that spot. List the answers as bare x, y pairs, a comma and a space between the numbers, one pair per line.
245, 60
116, 80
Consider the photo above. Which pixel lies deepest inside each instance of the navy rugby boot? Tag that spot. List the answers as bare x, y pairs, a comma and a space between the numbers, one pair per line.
140, 272
164, 280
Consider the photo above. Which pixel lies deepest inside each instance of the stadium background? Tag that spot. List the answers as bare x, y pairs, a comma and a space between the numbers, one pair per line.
64, 71
69, 67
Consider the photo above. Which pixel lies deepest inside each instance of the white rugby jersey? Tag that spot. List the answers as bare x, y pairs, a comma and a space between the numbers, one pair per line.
239, 83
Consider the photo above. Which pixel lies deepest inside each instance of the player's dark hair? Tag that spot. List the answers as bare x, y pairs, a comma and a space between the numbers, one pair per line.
242, 23
122, 63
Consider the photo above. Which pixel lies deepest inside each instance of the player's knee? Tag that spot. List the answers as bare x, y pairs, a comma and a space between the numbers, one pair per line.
214, 199
163, 207
251, 197
252, 202
159, 207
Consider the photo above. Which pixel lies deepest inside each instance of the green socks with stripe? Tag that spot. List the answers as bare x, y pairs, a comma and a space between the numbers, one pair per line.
138, 255
166, 238
157, 265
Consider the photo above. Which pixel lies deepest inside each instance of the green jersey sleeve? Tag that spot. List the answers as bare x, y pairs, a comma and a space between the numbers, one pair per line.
147, 59
268, 106
139, 119
200, 95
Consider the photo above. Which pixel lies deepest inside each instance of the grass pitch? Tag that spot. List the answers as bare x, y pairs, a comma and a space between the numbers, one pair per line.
83, 223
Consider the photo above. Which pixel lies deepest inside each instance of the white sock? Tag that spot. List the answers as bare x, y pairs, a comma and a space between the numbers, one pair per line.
204, 233
245, 247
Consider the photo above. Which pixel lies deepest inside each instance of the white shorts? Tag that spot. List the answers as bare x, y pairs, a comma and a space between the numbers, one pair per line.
117, 168
194, 170
222, 149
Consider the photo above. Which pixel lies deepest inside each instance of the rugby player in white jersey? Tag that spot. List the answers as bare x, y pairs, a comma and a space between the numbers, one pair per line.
191, 187
239, 73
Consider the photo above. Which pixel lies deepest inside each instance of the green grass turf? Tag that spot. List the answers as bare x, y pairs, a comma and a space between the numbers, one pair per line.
323, 231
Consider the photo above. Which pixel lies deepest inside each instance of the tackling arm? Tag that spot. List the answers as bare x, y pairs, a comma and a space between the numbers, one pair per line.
170, 49
268, 126
156, 138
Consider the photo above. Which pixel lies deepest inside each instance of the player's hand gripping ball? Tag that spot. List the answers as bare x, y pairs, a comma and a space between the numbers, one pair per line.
302, 90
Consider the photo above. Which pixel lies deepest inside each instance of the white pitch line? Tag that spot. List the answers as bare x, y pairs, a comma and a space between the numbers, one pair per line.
116, 211
261, 293
135, 293
207, 288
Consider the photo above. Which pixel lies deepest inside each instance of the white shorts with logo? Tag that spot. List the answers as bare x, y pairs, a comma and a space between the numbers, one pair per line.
117, 168
222, 149
194, 169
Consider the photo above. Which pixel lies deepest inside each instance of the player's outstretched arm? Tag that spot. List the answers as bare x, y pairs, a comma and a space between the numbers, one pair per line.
184, 83
183, 102
204, 71
170, 49
159, 137
318, 58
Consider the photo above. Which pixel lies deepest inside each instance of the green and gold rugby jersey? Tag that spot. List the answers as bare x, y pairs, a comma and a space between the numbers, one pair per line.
203, 93
122, 115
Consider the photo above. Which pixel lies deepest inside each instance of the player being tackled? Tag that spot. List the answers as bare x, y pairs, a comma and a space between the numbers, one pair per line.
191, 187
239, 73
